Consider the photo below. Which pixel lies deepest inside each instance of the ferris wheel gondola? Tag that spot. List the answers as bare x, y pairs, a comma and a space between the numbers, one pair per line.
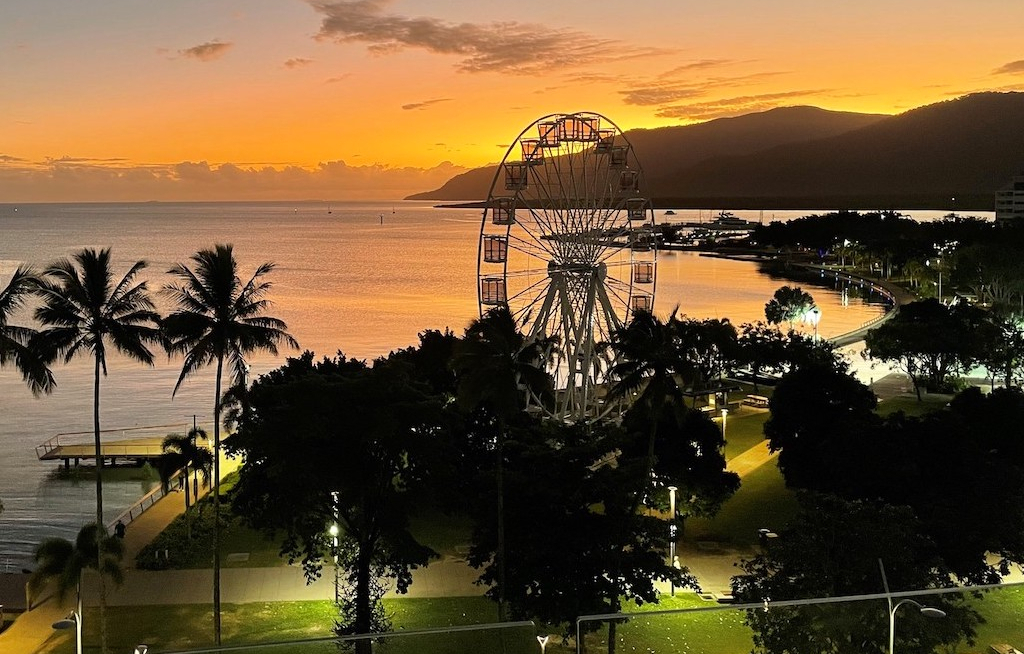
567, 243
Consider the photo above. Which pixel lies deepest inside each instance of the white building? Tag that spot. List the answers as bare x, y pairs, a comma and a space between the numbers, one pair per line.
1010, 202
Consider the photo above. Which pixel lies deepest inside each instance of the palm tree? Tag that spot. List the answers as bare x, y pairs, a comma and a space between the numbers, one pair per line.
648, 358
500, 369
60, 559
187, 454
82, 311
14, 340
219, 320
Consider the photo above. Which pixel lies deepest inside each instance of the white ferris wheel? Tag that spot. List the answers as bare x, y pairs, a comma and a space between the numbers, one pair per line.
567, 243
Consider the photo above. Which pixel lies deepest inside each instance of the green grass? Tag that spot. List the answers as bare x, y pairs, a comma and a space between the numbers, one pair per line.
762, 501
910, 405
236, 537
719, 630
167, 628
743, 430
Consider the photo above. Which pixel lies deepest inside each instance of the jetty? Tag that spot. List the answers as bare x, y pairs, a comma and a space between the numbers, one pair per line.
135, 445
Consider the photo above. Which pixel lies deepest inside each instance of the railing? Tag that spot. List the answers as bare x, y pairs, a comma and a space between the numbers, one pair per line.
147, 501
54, 443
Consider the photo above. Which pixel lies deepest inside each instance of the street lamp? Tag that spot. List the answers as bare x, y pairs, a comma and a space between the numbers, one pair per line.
74, 620
334, 550
725, 412
815, 316
927, 611
672, 531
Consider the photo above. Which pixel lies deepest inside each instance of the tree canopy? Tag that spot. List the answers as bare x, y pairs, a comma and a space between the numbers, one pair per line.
338, 442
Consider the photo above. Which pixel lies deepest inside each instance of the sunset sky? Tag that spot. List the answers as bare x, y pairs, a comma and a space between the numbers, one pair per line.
260, 99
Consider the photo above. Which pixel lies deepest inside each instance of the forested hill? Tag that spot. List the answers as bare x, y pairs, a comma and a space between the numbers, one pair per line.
950, 155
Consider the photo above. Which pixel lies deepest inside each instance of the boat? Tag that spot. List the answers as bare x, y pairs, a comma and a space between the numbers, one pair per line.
669, 212
729, 222
724, 222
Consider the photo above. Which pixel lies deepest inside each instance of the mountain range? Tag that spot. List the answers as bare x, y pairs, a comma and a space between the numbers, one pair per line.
949, 155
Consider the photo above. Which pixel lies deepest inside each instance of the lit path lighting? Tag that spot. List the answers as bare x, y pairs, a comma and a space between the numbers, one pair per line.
814, 315
333, 531
74, 620
543, 640
672, 531
725, 412
927, 611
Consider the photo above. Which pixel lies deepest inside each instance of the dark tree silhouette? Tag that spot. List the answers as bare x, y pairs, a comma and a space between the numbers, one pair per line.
220, 320
15, 340
83, 311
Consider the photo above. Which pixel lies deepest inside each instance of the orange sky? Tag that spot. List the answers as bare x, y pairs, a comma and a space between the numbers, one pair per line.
191, 99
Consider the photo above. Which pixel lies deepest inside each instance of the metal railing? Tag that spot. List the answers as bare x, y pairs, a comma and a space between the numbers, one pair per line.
147, 501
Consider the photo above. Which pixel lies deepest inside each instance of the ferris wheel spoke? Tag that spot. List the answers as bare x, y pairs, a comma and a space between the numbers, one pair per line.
567, 261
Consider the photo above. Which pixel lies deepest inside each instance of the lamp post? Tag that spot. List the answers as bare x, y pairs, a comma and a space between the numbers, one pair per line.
334, 546
74, 619
927, 611
543, 640
672, 532
815, 316
725, 412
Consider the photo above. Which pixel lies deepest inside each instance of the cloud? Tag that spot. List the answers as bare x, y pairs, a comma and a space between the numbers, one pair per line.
206, 51
83, 179
337, 78
509, 47
1012, 68
732, 106
424, 104
702, 64
666, 90
297, 62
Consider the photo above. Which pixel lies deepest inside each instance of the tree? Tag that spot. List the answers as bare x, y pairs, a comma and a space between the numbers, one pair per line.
83, 311
60, 559
931, 342
500, 372
647, 363
186, 454
1004, 356
831, 549
218, 320
579, 546
709, 348
788, 304
369, 437
961, 470
817, 412
15, 340
761, 348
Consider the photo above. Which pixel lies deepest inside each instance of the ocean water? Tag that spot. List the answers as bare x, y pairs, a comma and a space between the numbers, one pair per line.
362, 278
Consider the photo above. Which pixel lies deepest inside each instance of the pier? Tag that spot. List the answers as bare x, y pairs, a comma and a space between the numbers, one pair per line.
137, 444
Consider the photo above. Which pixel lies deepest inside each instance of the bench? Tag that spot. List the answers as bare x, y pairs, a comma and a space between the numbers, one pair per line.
759, 401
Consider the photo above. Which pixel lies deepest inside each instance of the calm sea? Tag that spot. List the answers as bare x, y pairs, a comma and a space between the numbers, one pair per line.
363, 278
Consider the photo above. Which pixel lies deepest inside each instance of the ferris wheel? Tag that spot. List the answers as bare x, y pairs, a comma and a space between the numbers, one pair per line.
567, 243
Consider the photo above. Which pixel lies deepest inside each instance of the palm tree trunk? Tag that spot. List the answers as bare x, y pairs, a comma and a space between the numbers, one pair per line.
364, 621
216, 503
100, 527
188, 516
99, 449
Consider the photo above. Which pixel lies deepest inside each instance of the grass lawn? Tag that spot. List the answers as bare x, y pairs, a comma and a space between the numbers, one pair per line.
910, 406
743, 430
762, 501
718, 631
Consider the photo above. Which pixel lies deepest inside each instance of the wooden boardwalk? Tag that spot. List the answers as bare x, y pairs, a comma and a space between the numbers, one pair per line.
79, 446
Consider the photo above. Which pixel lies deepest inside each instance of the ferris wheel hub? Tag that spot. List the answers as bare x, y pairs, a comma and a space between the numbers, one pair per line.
567, 244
